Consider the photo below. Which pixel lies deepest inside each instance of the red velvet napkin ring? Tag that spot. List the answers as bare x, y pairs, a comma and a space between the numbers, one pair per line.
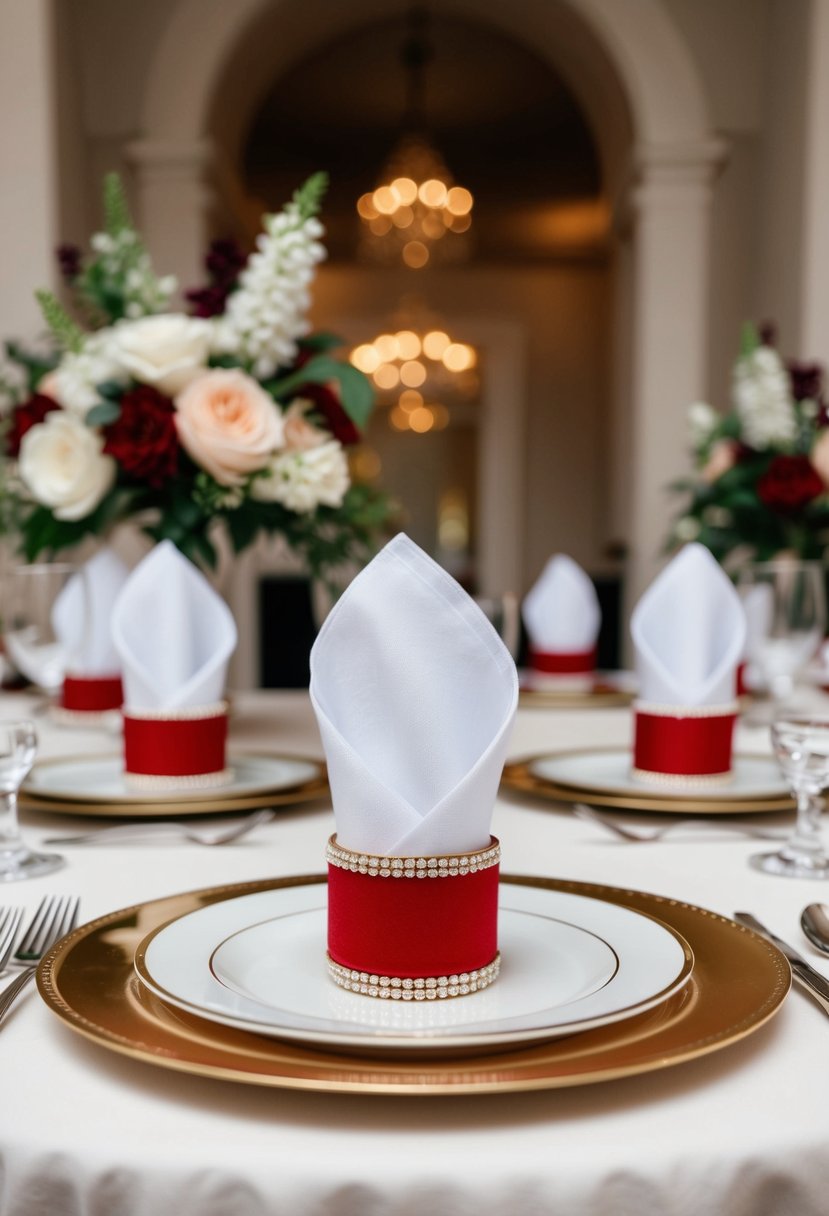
403, 940
92, 694
563, 662
176, 749
676, 744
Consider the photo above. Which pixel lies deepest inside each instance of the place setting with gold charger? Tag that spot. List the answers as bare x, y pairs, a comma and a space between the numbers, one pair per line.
415, 967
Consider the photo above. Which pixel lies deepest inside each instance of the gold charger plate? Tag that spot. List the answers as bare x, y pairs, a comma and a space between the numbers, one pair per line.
738, 982
518, 776
215, 801
601, 696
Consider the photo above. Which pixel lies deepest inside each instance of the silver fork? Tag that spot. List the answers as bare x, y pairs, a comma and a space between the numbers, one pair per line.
10, 919
208, 834
55, 916
650, 835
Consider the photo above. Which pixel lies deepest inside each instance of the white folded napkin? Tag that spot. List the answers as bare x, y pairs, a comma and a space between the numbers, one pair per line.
174, 634
82, 615
561, 611
688, 632
415, 695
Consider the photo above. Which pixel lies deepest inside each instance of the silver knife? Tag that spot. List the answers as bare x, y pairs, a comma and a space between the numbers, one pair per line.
804, 973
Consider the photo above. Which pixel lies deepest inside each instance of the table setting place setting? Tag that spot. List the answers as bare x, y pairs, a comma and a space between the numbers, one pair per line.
465, 980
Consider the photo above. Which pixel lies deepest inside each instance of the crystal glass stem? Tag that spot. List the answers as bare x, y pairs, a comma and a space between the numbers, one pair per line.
806, 843
11, 842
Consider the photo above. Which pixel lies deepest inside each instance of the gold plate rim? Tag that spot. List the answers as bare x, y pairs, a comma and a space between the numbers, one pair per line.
738, 983
517, 776
572, 698
217, 802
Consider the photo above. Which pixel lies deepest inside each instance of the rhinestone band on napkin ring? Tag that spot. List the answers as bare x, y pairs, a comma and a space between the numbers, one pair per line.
434, 931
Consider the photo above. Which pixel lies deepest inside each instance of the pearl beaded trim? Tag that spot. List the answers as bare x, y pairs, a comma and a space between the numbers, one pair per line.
196, 781
679, 780
452, 866
429, 988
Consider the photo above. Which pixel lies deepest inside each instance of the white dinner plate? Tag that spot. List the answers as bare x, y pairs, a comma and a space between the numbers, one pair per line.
608, 770
101, 779
568, 963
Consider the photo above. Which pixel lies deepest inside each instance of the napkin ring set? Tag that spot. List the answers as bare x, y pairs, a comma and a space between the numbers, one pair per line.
87, 698
413, 928
177, 748
683, 745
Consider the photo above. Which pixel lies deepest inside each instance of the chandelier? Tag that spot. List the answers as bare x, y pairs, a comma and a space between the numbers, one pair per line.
416, 373
417, 213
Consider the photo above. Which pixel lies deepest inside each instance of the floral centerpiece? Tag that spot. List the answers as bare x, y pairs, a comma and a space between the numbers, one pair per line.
236, 416
762, 469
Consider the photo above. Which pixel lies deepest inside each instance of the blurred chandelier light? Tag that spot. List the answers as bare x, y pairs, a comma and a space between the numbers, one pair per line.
410, 369
416, 214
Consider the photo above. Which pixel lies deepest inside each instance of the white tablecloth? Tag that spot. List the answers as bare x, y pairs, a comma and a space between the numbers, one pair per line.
85, 1132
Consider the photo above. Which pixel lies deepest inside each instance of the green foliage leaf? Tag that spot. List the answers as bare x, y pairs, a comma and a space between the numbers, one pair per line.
308, 198
103, 414
749, 339
356, 393
63, 329
117, 216
320, 342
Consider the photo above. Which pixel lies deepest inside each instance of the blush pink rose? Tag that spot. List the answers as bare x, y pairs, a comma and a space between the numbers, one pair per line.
300, 434
723, 456
228, 424
819, 456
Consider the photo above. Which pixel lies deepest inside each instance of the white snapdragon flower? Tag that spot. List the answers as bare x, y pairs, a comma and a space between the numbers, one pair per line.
124, 263
763, 400
62, 464
73, 382
266, 315
305, 480
702, 420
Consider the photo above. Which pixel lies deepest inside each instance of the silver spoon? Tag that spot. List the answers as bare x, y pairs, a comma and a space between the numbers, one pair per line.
210, 834
814, 921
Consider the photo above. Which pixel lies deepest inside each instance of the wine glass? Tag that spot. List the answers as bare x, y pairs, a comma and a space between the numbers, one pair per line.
786, 626
801, 745
18, 747
29, 633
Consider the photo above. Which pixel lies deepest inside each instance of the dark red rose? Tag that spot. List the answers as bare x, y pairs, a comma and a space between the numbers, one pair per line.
25, 416
806, 380
331, 413
69, 260
767, 333
207, 301
224, 263
789, 483
144, 440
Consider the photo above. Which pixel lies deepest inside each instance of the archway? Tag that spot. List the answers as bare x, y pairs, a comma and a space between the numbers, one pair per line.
635, 78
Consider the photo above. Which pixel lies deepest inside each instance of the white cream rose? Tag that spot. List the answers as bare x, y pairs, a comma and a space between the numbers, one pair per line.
305, 480
228, 424
63, 465
165, 351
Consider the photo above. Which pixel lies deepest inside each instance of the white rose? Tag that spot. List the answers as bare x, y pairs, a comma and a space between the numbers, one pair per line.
166, 351
304, 480
63, 465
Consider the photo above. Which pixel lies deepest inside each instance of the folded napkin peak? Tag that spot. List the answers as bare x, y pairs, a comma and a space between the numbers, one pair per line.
688, 632
415, 695
82, 615
561, 611
174, 633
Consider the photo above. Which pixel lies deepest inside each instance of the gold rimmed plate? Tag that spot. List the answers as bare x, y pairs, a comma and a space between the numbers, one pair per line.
94, 785
527, 776
602, 692
738, 983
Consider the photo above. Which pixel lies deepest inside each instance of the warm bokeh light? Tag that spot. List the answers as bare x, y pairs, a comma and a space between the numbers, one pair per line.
415, 255
433, 193
403, 217
365, 358
399, 419
385, 200
421, 420
387, 376
440, 416
381, 225
365, 463
366, 208
435, 343
410, 399
408, 344
405, 189
459, 201
412, 374
386, 347
458, 357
